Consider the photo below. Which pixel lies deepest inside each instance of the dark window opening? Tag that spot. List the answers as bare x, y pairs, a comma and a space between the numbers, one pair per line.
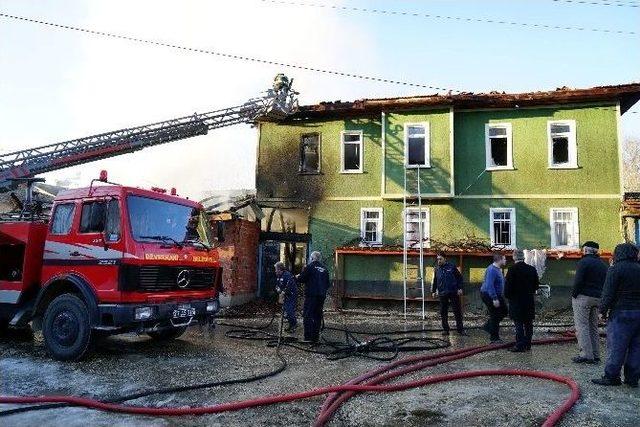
310, 153
93, 217
351, 157
416, 151
416, 145
499, 151
560, 150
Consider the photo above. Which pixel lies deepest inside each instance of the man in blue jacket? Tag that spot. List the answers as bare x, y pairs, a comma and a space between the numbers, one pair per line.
447, 286
288, 288
315, 276
492, 294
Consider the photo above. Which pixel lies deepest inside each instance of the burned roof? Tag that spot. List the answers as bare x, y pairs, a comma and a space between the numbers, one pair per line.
626, 94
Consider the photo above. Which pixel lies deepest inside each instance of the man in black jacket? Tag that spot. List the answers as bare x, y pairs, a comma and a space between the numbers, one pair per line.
587, 288
447, 287
621, 304
315, 276
520, 286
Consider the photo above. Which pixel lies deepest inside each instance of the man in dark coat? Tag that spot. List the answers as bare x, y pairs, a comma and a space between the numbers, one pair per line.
315, 276
288, 288
587, 288
521, 284
620, 303
447, 286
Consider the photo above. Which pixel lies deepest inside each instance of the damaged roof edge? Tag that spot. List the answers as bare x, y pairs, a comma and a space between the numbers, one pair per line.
626, 94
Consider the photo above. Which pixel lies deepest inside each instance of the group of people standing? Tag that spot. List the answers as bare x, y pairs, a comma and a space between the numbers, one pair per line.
610, 293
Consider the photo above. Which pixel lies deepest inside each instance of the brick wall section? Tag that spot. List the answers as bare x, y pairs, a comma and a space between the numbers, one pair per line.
238, 257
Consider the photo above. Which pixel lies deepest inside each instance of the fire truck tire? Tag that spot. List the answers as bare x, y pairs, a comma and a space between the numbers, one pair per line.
167, 334
66, 328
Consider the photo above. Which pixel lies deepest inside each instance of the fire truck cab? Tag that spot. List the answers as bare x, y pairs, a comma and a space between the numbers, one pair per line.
110, 259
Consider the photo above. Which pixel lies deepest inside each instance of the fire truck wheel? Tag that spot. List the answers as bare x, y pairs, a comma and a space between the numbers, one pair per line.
66, 328
168, 333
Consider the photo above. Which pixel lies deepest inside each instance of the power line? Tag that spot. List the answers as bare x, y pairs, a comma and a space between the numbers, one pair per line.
595, 3
227, 54
449, 17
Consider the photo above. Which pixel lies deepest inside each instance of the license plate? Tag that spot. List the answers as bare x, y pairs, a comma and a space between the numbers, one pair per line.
184, 312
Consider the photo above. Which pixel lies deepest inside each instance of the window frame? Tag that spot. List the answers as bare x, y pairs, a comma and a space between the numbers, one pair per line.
342, 146
427, 145
576, 225
512, 227
487, 145
426, 230
572, 148
92, 202
73, 215
300, 171
380, 221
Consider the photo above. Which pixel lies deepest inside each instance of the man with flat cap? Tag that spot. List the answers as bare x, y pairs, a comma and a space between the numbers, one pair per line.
520, 287
587, 290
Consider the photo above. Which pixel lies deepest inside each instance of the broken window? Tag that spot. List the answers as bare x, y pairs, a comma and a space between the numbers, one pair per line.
562, 144
352, 152
413, 224
310, 153
62, 218
564, 228
371, 225
417, 145
503, 227
498, 146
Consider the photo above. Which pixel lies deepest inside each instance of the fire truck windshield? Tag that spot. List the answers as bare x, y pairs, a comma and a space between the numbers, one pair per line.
156, 220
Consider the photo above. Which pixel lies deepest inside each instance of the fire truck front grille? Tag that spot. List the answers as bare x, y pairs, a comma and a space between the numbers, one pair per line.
167, 278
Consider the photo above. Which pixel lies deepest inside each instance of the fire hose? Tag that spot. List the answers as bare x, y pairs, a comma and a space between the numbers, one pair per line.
340, 393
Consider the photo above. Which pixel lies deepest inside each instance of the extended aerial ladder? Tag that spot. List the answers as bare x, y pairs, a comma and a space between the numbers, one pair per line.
276, 104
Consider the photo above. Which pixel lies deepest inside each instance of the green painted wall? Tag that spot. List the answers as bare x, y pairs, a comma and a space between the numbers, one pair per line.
596, 138
337, 222
433, 180
278, 161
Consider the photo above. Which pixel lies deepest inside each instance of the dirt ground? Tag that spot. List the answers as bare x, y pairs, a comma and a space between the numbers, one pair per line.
130, 363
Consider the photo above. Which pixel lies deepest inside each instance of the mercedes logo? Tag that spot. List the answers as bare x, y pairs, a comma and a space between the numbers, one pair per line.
184, 278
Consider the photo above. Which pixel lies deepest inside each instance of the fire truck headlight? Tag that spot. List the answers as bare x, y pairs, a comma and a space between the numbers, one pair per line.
143, 313
213, 306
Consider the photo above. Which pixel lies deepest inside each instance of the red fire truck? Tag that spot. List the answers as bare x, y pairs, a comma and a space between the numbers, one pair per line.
110, 259
114, 259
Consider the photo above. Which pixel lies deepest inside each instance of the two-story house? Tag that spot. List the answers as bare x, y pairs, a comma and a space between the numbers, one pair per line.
528, 170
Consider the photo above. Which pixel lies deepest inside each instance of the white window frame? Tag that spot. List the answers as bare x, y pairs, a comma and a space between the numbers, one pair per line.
380, 222
487, 144
427, 145
512, 226
576, 226
426, 225
342, 145
572, 140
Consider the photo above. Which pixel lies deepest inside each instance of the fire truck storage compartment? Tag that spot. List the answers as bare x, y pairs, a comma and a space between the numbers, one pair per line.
11, 261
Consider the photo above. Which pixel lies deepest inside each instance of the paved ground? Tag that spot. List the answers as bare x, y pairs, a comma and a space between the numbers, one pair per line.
127, 364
